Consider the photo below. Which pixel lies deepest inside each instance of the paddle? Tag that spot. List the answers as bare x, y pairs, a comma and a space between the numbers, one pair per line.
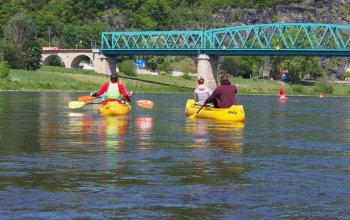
144, 103
87, 98
78, 104
83, 100
194, 115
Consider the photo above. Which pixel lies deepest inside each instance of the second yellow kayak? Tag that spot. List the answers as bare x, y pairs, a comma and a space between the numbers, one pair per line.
234, 113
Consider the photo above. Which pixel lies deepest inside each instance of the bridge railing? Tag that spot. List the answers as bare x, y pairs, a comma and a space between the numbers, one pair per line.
264, 39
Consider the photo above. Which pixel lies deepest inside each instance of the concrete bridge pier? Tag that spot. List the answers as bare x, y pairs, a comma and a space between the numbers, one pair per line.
208, 70
104, 64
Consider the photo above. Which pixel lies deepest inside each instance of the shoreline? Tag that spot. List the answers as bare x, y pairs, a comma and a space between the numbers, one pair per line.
63, 80
277, 95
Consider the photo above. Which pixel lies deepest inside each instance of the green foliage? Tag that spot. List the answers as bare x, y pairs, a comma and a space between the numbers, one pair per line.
298, 89
10, 53
34, 57
159, 64
152, 63
57, 62
186, 76
186, 65
82, 36
57, 78
4, 70
153, 15
230, 66
184, 18
165, 66
24, 51
72, 22
128, 67
237, 66
299, 67
325, 86
347, 75
7, 10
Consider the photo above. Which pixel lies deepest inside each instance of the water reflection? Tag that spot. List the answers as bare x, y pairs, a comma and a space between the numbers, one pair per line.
224, 135
144, 128
112, 131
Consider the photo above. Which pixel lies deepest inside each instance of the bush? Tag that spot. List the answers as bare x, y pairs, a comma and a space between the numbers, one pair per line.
128, 67
347, 74
186, 65
4, 70
57, 62
186, 76
298, 89
325, 86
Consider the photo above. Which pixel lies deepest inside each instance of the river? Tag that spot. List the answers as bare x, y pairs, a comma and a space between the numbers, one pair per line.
287, 161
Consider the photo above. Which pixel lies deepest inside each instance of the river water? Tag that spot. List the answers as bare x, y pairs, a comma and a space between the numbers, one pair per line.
289, 160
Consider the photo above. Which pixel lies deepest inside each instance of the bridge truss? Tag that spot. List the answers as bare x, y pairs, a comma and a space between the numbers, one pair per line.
288, 39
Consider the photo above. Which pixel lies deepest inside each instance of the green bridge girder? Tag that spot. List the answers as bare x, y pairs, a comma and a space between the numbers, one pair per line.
287, 39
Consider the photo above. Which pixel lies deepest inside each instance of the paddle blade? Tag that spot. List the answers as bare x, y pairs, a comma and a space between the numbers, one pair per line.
86, 99
145, 103
76, 104
192, 116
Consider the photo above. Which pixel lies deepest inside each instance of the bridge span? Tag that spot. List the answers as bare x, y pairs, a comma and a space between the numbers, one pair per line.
71, 58
279, 39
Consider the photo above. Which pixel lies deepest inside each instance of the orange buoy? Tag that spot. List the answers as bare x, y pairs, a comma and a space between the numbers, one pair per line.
282, 96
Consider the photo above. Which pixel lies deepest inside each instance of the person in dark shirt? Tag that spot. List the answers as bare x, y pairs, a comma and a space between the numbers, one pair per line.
224, 96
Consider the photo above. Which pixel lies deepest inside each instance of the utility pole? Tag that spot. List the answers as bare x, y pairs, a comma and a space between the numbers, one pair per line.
49, 37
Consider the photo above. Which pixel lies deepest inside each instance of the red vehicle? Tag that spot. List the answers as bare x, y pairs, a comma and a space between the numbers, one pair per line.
276, 76
50, 48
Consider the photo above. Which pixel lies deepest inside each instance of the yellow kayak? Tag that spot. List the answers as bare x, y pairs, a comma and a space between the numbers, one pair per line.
234, 113
114, 108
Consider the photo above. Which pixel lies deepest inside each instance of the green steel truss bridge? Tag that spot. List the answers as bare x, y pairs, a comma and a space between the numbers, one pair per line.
287, 39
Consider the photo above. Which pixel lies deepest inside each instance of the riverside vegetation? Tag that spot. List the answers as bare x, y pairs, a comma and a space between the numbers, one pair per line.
61, 79
26, 27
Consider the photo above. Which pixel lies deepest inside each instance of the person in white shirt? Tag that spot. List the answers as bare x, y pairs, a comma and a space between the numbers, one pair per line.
202, 92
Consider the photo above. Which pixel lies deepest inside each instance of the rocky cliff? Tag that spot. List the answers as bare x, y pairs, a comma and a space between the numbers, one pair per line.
312, 11
336, 12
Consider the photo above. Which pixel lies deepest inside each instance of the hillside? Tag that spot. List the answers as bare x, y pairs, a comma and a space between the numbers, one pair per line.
66, 23
29, 25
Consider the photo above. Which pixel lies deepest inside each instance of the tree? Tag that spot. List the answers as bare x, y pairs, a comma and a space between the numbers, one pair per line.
153, 14
128, 67
237, 66
230, 66
186, 65
24, 49
4, 70
159, 63
299, 67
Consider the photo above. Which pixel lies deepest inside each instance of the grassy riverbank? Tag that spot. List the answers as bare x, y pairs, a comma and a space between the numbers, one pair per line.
53, 78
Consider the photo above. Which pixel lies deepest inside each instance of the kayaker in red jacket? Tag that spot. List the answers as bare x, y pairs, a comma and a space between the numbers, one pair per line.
113, 91
224, 96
